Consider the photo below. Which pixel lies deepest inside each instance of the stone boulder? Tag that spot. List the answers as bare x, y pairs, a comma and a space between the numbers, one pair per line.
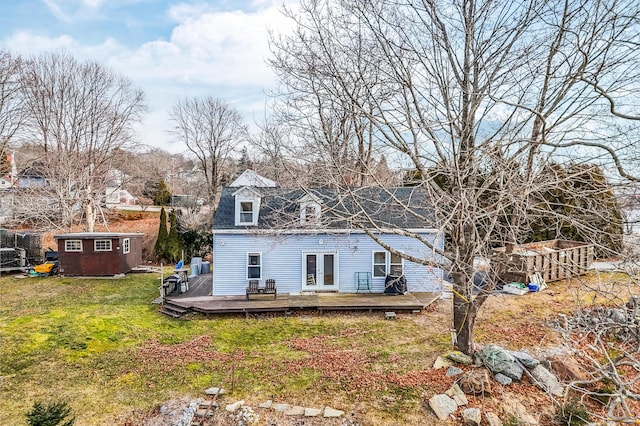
475, 382
516, 410
547, 381
471, 416
499, 360
459, 357
442, 406
567, 369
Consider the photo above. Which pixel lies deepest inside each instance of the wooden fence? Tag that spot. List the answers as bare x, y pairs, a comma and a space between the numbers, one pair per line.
554, 260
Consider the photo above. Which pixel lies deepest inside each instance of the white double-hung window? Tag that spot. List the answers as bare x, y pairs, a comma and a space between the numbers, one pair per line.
387, 263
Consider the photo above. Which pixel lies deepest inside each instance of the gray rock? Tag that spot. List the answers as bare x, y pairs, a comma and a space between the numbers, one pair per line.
499, 360
246, 416
514, 408
281, 407
495, 358
442, 406
331, 412
525, 359
457, 395
296, 410
214, 391
266, 404
617, 316
442, 362
232, 408
459, 357
453, 371
471, 416
502, 379
513, 371
492, 419
164, 409
312, 412
547, 381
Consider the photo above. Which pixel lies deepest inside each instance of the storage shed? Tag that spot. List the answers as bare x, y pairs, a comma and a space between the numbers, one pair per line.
553, 259
98, 253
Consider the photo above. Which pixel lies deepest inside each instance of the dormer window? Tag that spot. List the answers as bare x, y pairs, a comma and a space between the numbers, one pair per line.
246, 212
247, 206
309, 212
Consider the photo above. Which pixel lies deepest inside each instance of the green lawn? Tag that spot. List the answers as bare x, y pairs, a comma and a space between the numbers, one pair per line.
101, 346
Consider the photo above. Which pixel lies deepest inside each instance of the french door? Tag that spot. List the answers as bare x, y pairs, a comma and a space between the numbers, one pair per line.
319, 271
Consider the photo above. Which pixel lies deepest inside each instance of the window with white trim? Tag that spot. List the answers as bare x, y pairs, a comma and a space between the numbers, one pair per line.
73, 245
386, 263
126, 245
310, 212
395, 264
379, 263
102, 245
246, 212
254, 266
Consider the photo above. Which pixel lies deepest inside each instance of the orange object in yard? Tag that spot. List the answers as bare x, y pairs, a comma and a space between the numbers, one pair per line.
44, 268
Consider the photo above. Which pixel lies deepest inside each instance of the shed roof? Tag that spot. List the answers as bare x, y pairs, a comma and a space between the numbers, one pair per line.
94, 235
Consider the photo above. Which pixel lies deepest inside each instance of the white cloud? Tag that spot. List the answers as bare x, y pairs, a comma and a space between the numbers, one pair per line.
184, 11
56, 10
94, 4
221, 54
215, 48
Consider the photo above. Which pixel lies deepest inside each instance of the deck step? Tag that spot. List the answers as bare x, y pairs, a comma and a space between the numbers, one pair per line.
170, 313
176, 308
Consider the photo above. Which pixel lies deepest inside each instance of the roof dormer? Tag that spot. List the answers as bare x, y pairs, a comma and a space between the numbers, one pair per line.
247, 206
310, 209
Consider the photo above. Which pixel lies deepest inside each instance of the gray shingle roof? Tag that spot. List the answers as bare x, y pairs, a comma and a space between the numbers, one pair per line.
355, 208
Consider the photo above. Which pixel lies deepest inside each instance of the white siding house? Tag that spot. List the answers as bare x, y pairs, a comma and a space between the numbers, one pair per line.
304, 241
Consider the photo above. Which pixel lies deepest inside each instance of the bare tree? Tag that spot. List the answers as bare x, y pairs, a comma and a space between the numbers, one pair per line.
79, 114
477, 98
212, 131
320, 109
11, 112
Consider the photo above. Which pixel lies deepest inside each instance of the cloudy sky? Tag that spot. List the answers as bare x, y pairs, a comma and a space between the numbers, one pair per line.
170, 48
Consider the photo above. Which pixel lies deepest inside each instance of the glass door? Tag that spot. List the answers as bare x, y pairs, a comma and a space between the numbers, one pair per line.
319, 272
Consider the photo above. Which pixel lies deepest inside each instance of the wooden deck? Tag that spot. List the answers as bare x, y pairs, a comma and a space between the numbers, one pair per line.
199, 299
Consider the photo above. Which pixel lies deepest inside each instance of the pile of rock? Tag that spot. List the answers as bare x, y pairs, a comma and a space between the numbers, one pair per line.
243, 414
622, 322
495, 364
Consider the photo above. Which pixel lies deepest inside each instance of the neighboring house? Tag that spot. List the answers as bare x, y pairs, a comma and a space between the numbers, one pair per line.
33, 177
115, 194
6, 182
98, 253
251, 178
10, 180
311, 241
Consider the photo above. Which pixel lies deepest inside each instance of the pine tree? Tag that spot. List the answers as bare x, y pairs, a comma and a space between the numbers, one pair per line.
174, 242
162, 196
163, 237
54, 414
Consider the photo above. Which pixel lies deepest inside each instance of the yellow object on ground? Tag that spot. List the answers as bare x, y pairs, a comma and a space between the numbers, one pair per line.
44, 268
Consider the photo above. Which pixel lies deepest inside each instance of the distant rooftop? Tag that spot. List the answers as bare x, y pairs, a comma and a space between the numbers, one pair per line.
251, 178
